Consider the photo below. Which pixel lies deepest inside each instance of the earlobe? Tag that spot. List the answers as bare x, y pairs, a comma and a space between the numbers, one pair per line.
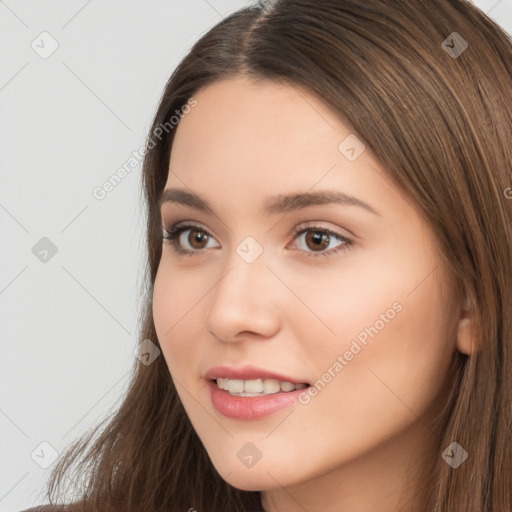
466, 342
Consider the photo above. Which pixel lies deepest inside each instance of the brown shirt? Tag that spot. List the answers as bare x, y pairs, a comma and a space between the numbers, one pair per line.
47, 508
73, 507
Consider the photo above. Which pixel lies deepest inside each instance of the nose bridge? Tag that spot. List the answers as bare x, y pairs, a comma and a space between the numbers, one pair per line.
246, 267
240, 300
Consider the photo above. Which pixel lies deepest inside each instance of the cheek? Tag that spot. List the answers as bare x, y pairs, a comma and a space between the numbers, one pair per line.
347, 309
174, 297
395, 352
390, 346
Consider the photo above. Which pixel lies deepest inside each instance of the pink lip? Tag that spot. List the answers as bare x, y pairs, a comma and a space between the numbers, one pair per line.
246, 373
248, 407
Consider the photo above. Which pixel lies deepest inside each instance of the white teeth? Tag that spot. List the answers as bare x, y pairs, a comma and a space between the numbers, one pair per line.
253, 386
287, 386
256, 387
271, 386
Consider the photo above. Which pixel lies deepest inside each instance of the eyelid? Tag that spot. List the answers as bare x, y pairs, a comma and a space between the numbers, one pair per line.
294, 231
175, 231
312, 225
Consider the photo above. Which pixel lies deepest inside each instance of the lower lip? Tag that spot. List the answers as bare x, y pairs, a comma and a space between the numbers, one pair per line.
251, 407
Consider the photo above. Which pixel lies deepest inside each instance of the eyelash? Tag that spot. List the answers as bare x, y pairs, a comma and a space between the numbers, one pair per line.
174, 233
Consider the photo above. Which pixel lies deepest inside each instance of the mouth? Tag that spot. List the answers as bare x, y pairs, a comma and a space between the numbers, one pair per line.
257, 387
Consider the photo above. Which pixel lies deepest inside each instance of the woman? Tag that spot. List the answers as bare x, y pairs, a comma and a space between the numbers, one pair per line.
377, 134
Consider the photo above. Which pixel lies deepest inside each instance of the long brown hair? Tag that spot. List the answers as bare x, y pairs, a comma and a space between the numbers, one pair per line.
428, 87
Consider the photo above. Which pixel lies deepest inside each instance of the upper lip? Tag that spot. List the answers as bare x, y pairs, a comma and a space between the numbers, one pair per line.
247, 372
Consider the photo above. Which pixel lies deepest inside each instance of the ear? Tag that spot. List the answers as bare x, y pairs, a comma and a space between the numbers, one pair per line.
466, 336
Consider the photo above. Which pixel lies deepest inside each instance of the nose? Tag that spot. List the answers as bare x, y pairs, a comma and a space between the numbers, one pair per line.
244, 303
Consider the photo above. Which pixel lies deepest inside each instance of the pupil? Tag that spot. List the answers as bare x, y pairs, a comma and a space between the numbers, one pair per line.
317, 237
198, 237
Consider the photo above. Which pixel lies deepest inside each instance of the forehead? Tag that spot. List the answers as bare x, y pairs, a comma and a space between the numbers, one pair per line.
259, 116
245, 141
241, 128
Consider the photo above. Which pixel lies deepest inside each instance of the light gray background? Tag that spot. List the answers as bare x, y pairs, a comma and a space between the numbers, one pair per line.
67, 122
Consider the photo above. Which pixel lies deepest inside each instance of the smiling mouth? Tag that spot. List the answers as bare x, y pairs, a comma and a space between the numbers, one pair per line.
257, 387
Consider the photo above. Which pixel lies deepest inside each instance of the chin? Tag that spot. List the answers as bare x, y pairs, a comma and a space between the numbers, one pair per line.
249, 481
262, 476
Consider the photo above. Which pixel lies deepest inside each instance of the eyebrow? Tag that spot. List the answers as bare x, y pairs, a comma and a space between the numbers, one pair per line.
278, 204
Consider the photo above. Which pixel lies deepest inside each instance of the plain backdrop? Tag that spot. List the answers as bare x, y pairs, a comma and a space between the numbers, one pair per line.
79, 83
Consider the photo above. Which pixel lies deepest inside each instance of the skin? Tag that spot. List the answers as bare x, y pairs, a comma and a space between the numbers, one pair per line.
357, 446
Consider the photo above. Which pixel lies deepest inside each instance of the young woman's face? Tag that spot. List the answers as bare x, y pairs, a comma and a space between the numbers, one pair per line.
357, 314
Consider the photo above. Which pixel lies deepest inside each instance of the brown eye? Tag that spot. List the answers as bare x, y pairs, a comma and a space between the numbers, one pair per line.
196, 238
190, 244
317, 240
